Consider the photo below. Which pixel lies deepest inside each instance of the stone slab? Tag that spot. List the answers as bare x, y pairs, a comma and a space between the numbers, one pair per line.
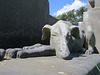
78, 65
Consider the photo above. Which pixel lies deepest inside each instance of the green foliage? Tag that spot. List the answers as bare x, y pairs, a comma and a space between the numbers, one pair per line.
73, 15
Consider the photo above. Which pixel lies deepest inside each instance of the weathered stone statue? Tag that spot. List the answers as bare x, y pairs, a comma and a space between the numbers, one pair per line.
21, 22
2, 54
30, 51
65, 39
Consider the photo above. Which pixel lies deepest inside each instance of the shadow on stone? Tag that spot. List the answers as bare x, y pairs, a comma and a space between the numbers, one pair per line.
95, 50
95, 70
2, 54
27, 54
73, 55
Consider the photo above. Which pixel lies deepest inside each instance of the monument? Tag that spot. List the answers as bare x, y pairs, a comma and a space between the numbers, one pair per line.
21, 22
91, 17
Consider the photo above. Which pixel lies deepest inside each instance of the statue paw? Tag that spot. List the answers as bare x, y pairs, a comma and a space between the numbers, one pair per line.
11, 53
89, 52
2, 54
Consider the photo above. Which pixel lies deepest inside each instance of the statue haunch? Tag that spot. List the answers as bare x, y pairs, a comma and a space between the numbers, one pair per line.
65, 38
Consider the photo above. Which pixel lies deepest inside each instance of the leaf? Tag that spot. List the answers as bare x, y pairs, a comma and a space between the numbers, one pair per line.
63, 73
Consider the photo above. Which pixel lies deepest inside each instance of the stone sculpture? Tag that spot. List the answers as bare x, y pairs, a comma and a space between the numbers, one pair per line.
65, 39
20, 27
2, 54
43, 50
30, 51
12, 53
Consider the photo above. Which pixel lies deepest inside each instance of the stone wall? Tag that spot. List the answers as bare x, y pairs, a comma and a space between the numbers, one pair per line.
92, 17
21, 22
97, 3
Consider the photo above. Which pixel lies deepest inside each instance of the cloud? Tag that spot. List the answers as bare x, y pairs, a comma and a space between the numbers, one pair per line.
75, 5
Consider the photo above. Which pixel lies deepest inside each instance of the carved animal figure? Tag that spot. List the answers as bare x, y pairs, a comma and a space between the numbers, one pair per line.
30, 51
2, 53
67, 39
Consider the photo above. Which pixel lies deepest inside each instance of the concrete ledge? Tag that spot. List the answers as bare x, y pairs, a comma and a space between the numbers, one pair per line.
77, 65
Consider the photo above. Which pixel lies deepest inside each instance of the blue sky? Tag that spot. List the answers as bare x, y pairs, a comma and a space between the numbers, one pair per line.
58, 7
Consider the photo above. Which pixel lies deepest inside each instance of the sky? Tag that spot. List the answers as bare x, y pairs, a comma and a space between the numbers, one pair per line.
57, 7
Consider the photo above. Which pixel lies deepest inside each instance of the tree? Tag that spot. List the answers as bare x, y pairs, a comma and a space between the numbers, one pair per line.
79, 13
61, 17
68, 16
73, 15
